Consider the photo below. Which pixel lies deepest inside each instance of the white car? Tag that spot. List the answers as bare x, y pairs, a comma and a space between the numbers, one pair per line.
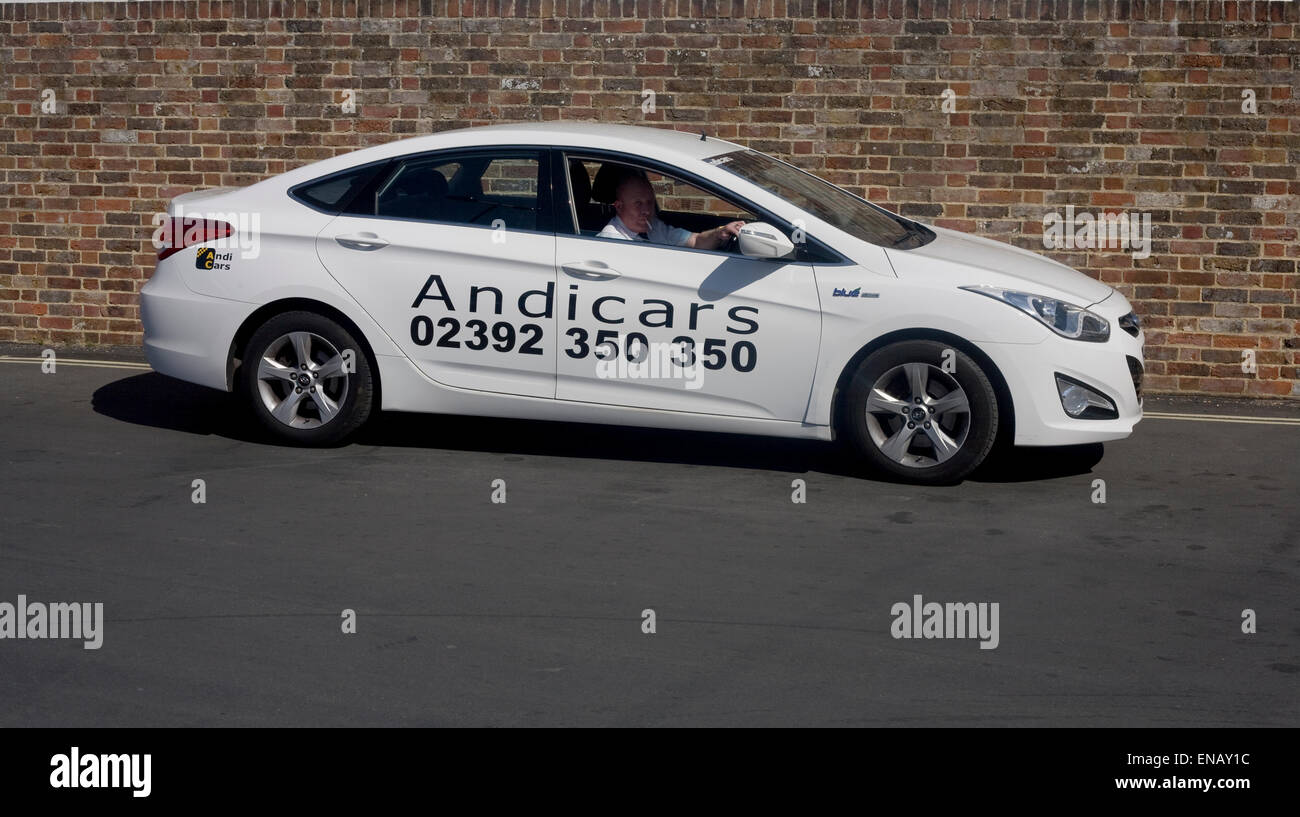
463, 273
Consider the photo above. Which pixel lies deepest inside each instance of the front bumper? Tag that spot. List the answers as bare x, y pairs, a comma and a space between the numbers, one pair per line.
1113, 368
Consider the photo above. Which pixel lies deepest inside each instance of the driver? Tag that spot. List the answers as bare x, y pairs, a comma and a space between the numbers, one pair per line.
635, 220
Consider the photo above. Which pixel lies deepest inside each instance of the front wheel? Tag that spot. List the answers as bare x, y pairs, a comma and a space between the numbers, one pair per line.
306, 379
922, 411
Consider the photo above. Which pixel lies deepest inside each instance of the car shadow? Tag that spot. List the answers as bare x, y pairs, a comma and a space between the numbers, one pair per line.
1011, 464
162, 402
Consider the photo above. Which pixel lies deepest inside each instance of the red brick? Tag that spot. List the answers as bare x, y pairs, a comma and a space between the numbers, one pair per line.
1142, 106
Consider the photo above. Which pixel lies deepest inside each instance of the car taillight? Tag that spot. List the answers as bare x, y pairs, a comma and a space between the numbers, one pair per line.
176, 234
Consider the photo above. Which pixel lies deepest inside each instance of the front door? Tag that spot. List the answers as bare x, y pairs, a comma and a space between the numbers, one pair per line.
661, 326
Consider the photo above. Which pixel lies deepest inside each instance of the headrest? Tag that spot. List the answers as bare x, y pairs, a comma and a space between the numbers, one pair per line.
421, 181
581, 183
608, 178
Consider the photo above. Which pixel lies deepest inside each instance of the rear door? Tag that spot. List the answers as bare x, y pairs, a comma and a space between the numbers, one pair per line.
453, 254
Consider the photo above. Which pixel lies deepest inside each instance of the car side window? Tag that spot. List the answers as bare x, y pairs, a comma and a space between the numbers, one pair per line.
593, 182
333, 193
487, 190
687, 206
593, 187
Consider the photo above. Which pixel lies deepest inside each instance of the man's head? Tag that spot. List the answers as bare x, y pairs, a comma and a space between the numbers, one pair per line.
634, 202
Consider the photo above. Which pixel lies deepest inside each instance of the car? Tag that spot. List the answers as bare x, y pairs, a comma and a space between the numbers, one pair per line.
465, 273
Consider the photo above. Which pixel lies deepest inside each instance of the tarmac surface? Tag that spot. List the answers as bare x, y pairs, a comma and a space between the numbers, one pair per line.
533, 611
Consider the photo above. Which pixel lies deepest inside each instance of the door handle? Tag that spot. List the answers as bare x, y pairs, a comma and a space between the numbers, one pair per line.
361, 241
590, 270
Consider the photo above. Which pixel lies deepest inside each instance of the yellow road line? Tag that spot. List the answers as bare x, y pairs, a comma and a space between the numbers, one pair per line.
69, 361
1224, 418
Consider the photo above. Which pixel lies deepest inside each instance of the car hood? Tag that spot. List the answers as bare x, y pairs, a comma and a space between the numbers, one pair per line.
1029, 271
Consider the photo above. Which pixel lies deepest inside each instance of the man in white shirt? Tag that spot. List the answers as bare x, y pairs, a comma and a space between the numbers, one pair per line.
635, 220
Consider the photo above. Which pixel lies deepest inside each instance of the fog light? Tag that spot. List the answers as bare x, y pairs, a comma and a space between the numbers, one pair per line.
1083, 403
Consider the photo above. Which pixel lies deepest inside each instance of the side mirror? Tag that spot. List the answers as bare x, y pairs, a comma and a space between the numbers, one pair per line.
759, 240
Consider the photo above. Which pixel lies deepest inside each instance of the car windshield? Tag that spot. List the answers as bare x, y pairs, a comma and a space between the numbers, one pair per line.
855, 216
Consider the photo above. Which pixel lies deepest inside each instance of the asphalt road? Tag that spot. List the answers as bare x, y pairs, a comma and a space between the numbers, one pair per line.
529, 612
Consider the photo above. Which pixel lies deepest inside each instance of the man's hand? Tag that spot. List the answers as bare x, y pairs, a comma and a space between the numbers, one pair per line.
712, 239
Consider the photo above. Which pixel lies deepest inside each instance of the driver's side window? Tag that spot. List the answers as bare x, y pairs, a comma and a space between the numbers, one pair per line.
593, 185
684, 205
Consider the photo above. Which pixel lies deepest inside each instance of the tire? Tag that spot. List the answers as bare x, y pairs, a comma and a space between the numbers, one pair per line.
950, 404
278, 388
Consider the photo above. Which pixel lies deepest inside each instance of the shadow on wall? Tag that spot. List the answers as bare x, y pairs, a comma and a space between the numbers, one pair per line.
162, 402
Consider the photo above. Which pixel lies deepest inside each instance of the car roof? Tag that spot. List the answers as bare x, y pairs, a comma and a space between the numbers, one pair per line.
663, 143
607, 135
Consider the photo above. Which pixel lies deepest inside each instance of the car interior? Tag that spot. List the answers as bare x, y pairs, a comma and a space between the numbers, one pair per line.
482, 190
593, 198
454, 191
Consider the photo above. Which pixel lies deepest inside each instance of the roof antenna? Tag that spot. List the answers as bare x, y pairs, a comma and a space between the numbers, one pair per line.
701, 136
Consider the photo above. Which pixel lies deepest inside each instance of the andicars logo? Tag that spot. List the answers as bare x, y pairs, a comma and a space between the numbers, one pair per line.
209, 258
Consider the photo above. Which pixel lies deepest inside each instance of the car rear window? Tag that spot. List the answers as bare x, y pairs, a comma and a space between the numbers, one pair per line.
333, 193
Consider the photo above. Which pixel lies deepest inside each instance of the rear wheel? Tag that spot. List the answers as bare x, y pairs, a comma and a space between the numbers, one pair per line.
306, 380
922, 411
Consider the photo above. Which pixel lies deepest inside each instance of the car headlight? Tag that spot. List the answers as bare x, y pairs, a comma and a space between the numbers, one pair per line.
1065, 319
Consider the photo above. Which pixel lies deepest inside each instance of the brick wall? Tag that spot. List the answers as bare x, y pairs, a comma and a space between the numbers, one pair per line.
1134, 107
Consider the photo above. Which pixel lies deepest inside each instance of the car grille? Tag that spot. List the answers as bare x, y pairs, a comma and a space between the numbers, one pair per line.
1135, 371
1131, 324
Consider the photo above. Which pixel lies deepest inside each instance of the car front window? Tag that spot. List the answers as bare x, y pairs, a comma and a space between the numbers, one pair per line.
835, 206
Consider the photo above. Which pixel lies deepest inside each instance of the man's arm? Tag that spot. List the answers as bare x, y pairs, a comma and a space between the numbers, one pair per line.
712, 239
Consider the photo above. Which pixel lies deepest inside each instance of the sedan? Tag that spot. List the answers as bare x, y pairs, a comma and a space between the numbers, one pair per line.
630, 276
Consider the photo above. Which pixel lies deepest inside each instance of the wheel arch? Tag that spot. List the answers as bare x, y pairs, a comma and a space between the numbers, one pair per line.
1006, 431
239, 344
